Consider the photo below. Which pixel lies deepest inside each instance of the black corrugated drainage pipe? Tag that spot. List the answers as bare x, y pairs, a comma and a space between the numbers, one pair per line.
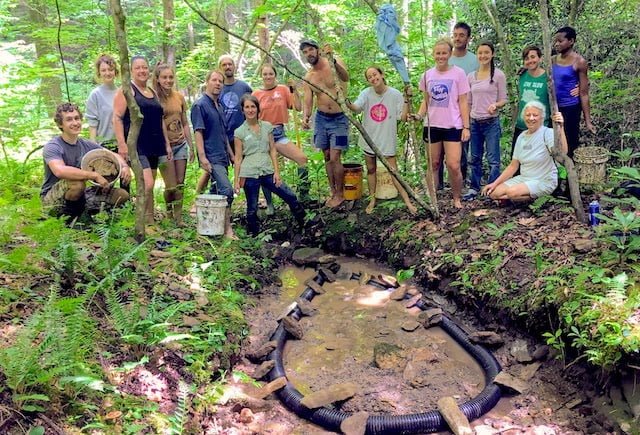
425, 422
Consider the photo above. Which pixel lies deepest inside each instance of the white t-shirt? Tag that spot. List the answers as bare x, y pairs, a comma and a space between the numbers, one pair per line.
380, 119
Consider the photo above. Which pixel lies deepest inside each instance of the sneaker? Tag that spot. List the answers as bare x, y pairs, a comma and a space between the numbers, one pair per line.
470, 195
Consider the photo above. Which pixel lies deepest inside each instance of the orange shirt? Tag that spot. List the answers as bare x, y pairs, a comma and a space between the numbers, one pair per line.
275, 104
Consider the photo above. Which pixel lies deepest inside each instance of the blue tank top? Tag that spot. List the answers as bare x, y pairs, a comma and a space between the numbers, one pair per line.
151, 137
565, 78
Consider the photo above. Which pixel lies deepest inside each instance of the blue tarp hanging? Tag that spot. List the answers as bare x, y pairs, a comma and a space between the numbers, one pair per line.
387, 30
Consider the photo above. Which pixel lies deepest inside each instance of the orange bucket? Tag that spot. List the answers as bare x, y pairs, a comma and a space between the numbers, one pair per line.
352, 181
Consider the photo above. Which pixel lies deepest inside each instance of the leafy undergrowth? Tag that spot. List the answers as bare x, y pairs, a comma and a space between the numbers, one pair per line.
99, 333
533, 265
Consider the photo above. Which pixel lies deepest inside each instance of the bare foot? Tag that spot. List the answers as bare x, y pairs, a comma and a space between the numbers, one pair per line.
457, 203
370, 207
412, 209
335, 201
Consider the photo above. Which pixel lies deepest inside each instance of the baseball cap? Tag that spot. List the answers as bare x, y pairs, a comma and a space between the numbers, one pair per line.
308, 42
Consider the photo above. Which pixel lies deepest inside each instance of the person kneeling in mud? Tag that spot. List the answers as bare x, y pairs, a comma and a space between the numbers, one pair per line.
256, 164
532, 155
65, 191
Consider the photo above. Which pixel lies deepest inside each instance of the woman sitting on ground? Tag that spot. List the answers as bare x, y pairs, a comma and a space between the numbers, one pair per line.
383, 107
256, 164
532, 155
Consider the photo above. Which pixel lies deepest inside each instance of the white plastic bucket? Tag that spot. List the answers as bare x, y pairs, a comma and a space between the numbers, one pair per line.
385, 189
210, 211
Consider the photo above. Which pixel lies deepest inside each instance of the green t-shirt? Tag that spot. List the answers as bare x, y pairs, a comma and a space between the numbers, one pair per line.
530, 89
256, 160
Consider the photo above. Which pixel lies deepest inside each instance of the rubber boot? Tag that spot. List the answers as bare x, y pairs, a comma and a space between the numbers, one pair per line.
304, 184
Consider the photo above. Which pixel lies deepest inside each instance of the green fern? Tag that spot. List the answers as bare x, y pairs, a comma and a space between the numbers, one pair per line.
179, 417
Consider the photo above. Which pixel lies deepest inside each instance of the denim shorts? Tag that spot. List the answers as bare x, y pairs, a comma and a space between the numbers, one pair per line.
331, 131
149, 162
279, 135
180, 152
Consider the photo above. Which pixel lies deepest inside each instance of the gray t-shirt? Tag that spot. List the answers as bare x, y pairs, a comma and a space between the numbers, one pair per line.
100, 112
468, 62
532, 151
380, 118
70, 154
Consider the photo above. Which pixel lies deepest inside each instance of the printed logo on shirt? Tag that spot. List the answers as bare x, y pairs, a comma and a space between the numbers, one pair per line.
529, 95
378, 112
439, 91
230, 100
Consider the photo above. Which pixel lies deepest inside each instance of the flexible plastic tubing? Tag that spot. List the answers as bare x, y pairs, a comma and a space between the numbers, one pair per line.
431, 421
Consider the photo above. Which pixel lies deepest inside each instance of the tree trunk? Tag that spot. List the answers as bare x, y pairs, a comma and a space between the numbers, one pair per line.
556, 153
46, 53
168, 47
223, 44
136, 118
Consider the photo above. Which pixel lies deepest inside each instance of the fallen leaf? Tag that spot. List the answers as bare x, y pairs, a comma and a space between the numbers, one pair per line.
112, 415
527, 222
480, 212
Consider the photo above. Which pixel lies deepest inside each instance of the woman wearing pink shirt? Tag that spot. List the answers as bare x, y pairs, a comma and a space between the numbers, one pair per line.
445, 88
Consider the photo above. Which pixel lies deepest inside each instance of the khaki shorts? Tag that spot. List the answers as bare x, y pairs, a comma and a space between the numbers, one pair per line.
55, 204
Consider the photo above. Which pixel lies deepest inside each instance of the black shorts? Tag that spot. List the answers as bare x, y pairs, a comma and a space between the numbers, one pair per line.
442, 134
149, 162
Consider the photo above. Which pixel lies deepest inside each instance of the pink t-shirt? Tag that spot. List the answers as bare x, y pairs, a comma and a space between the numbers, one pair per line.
444, 89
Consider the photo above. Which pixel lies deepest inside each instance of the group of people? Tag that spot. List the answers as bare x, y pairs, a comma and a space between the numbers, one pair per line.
234, 124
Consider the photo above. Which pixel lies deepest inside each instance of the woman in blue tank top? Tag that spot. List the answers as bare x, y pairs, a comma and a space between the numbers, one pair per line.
152, 140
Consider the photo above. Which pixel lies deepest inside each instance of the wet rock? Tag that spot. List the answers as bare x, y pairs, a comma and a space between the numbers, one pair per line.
455, 418
344, 273
413, 301
305, 307
540, 353
388, 356
244, 401
431, 317
286, 311
520, 351
584, 245
328, 275
313, 285
355, 424
410, 325
511, 383
260, 353
272, 386
489, 338
293, 327
263, 369
398, 294
307, 256
326, 259
364, 278
327, 396
631, 393
388, 280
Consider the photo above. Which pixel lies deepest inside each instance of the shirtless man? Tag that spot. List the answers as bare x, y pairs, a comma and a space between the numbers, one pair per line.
331, 133
570, 70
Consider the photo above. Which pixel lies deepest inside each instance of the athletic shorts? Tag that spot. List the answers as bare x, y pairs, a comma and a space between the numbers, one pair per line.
442, 134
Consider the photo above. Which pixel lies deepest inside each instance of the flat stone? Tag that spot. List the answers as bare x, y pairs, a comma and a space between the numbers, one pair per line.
286, 311
344, 273
455, 418
262, 352
307, 256
326, 259
388, 356
489, 338
305, 307
263, 369
313, 285
520, 351
293, 327
327, 396
529, 371
512, 383
245, 401
398, 294
431, 317
355, 424
413, 301
272, 386
584, 245
364, 278
389, 280
410, 325
329, 276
